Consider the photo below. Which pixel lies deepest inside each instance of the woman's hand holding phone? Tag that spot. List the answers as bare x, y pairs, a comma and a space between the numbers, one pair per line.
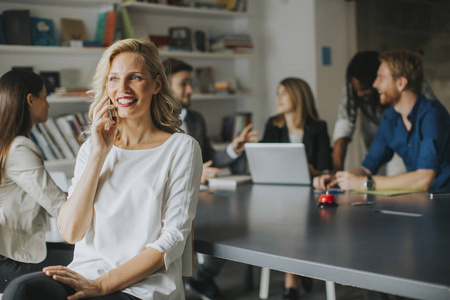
103, 126
111, 117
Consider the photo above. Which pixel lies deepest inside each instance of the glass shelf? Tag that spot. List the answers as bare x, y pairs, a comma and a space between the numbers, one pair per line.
20, 49
182, 11
65, 2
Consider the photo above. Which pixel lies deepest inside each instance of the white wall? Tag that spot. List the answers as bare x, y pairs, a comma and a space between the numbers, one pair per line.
335, 28
293, 34
288, 46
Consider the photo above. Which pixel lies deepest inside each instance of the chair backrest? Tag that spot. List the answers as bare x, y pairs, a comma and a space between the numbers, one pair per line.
187, 258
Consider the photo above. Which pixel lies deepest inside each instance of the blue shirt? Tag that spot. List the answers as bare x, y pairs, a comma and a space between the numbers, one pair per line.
425, 146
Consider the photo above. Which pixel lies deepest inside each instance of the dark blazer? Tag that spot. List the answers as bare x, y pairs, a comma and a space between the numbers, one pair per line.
196, 127
315, 138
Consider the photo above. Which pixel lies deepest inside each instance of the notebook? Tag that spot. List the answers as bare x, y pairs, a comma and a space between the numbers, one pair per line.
278, 163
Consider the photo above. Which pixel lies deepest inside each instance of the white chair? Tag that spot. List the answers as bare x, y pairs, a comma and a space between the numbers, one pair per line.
187, 258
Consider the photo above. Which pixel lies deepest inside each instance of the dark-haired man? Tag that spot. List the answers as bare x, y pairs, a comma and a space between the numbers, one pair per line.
413, 127
180, 80
179, 74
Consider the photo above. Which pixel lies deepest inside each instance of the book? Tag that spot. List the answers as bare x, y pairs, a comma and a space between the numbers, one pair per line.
232, 126
2, 33
51, 80
50, 142
73, 29
100, 31
180, 39
62, 143
76, 128
127, 27
230, 4
234, 43
228, 182
43, 32
24, 68
201, 41
110, 27
205, 79
17, 27
70, 78
118, 31
39, 139
160, 40
68, 135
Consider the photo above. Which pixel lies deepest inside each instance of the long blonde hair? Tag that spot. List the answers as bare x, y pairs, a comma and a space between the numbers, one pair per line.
164, 109
303, 101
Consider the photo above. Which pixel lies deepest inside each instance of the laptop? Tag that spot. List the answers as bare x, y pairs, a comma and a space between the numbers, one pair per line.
278, 163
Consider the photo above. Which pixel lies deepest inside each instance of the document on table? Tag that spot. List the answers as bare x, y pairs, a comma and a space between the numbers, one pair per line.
387, 192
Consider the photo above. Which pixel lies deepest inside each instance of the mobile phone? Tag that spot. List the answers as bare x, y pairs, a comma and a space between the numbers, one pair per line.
108, 125
110, 111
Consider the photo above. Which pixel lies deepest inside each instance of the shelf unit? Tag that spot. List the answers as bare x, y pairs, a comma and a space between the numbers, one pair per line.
82, 3
16, 49
156, 19
41, 58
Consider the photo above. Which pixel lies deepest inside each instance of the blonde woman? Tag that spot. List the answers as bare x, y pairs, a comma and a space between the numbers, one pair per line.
133, 198
297, 121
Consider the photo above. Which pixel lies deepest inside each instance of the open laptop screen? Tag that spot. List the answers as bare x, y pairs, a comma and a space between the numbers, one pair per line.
278, 163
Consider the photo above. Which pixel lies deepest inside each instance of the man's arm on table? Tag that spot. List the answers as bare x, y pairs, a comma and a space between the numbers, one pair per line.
415, 180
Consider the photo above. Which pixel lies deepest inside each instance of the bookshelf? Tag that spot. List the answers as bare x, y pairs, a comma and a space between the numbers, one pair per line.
236, 68
36, 50
146, 18
79, 3
48, 58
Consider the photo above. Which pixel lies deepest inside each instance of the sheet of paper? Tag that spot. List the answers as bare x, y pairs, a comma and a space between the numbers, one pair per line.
387, 192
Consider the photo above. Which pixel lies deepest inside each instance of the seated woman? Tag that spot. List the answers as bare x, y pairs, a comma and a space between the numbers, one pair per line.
298, 122
27, 192
134, 195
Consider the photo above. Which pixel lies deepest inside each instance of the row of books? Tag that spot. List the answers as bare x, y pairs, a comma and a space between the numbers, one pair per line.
235, 43
61, 138
205, 84
113, 25
232, 126
230, 5
185, 39
18, 27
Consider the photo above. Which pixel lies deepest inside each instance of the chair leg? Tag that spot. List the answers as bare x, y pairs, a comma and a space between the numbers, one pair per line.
249, 278
264, 284
331, 293
200, 258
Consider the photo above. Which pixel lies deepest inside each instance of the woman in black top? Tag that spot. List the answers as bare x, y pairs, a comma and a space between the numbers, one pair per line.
298, 122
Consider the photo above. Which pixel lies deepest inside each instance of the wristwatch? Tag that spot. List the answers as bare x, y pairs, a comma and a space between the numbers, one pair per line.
369, 184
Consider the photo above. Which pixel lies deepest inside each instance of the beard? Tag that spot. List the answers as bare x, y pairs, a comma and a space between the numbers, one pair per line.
185, 101
390, 98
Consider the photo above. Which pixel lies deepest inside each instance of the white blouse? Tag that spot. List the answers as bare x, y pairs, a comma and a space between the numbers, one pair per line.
145, 198
27, 193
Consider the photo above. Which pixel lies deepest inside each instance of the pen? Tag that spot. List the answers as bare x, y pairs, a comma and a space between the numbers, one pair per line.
438, 195
330, 191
